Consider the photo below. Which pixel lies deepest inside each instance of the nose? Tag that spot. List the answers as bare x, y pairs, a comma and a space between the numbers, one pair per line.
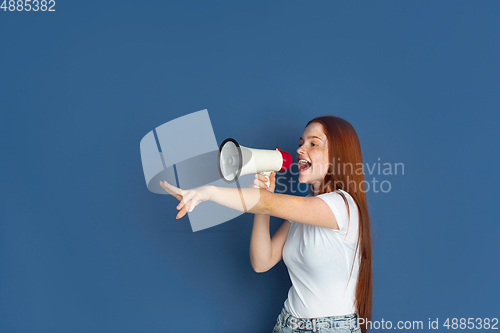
300, 151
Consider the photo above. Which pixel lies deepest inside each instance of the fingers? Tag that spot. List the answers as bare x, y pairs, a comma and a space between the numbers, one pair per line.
184, 209
185, 200
175, 191
257, 183
170, 188
187, 208
179, 195
188, 199
260, 182
193, 204
261, 177
181, 213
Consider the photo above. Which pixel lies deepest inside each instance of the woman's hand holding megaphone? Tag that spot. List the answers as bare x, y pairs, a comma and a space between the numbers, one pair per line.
260, 182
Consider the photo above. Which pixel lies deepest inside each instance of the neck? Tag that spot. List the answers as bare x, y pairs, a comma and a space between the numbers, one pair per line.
315, 188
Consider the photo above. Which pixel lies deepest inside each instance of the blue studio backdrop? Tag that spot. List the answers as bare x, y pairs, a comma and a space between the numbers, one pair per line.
86, 247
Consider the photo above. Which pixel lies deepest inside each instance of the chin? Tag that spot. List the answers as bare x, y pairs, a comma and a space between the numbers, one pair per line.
303, 179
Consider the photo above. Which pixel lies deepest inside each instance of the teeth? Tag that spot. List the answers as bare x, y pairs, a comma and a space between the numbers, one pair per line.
303, 164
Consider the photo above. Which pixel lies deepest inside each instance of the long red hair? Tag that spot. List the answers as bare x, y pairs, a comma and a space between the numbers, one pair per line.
344, 173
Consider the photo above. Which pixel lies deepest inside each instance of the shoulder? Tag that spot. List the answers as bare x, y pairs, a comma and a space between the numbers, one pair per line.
343, 207
337, 195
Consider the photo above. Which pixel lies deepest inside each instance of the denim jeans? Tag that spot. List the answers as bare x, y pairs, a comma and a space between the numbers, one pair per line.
286, 323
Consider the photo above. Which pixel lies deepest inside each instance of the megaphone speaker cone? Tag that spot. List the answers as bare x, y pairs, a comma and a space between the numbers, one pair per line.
229, 160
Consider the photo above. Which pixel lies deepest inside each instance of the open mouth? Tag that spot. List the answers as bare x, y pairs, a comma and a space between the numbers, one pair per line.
304, 165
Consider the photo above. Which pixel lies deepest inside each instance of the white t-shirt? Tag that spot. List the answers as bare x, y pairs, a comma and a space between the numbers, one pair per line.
319, 262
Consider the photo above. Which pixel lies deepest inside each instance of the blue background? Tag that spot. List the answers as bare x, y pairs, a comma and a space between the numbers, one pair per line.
84, 246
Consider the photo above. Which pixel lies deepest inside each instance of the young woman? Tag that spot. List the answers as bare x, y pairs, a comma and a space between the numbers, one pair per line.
325, 239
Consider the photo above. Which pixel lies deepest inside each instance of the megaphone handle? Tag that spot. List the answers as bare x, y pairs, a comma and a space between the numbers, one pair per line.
267, 174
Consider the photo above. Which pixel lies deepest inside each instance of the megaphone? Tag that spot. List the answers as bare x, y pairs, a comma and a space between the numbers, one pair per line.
234, 161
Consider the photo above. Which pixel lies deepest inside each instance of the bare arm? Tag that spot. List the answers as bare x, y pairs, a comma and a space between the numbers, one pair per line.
265, 252
248, 200
260, 242
307, 210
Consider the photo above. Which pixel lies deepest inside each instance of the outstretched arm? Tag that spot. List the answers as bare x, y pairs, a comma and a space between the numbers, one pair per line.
307, 210
248, 200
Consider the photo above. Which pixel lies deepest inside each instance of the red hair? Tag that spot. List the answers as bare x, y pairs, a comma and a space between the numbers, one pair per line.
344, 150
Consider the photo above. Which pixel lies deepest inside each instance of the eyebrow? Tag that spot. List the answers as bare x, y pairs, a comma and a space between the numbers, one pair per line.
312, 136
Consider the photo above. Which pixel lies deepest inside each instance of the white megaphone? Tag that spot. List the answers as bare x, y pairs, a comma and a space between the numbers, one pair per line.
234, 161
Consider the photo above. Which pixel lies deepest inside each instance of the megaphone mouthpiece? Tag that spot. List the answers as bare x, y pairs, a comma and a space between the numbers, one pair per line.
287, 160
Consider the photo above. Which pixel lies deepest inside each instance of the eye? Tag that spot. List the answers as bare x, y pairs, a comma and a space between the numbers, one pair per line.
313, 144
